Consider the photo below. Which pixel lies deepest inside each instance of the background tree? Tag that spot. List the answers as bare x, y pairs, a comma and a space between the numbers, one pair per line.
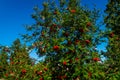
3, 60
112, 18
20, 53
15, 62
112, 55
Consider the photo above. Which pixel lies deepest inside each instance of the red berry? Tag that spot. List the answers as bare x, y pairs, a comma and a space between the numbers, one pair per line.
0, 67
87, 41
55, 12
10, 59
77, 41
12, 62
64, 63
81, 30
23, 71
51, 29
96, 59
76, 59
89, 74
73, 11
111, 34
64, 76
45, 69
41, 79
54, 25
6, 75
39, 73
88, 24
60, 77
56, 47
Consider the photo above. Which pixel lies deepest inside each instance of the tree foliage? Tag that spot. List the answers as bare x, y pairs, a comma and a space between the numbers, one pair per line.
67, 35
113, 49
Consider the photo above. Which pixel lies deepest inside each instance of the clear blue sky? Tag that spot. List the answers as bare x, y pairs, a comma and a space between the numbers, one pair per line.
15, 13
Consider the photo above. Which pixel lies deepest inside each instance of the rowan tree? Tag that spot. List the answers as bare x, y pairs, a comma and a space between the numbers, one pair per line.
113, 27
3, 61
15, 62
67, 36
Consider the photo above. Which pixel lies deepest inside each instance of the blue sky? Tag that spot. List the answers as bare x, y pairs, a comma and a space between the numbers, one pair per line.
15, 13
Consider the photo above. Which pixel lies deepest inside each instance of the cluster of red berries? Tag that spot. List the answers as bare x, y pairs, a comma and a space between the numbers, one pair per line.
73, 11
88, 24
87, 41
56, 47
64, 63
96, 59
23, 71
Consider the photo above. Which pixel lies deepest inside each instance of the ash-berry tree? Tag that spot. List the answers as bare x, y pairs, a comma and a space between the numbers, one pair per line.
19, 53
112, 18
112, 55
15, 62
3, 61
66, 34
